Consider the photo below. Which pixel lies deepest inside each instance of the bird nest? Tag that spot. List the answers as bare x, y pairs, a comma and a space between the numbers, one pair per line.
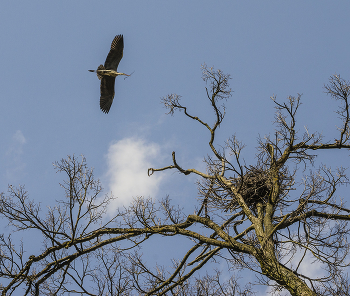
255, 186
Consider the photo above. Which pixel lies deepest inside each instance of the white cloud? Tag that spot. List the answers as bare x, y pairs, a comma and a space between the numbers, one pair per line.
128, 161
309, 266
14, 164
19, 138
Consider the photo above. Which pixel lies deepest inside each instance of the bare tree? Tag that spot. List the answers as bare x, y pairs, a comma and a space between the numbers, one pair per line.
269, 217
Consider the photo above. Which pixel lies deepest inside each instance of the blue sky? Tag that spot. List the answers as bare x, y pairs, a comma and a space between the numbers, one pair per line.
50, 102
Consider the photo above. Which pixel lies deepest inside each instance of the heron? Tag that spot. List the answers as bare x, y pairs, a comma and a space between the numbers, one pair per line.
108, 72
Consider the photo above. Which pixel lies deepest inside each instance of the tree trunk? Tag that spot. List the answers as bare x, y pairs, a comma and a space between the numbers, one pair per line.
283, 276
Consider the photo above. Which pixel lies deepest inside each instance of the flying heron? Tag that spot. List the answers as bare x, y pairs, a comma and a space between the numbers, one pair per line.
108, 73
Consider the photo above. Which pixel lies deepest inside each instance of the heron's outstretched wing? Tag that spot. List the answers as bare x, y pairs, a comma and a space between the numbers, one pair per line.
115, 54
107, 93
